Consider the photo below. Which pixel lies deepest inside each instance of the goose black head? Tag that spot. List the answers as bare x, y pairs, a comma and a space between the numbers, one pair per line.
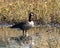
30, 15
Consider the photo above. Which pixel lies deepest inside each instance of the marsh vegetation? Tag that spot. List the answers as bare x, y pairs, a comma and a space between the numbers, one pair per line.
14, 11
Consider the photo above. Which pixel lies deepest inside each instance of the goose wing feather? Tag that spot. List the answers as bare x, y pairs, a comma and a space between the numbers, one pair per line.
22, 25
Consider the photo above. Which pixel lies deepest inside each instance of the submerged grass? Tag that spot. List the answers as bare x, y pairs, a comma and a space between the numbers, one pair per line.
50, 39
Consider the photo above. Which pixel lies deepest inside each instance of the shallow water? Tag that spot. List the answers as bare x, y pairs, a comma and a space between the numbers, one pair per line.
43, 40
38, 42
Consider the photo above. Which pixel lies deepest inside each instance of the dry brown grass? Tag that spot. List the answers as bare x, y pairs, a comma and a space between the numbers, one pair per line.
19, 10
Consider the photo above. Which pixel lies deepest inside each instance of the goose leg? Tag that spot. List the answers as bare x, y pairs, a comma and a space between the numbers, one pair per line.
26, 33
23, 33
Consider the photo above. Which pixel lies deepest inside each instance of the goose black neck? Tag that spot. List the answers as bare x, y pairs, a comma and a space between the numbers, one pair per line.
29, 18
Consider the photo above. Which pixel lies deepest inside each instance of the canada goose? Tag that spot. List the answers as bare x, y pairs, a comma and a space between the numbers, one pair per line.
25, 25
